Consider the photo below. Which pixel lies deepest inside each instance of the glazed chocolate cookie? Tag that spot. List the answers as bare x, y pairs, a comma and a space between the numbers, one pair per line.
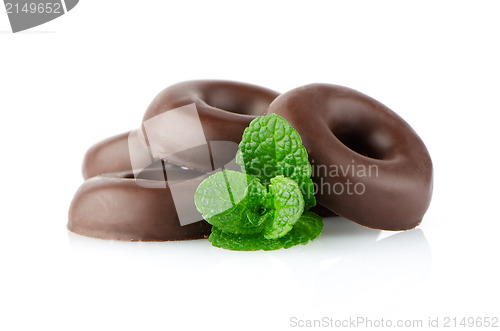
369, 165
189, 130
185, 116
141, 207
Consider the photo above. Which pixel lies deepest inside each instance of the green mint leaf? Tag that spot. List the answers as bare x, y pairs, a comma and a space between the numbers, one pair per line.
271, 147
263, 207
307, 228
233, 202
287, 205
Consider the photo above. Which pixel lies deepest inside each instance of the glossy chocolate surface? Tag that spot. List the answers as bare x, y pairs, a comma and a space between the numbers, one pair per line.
112, 204
224, 108
120, 207
340, 127
352, 138
110, 155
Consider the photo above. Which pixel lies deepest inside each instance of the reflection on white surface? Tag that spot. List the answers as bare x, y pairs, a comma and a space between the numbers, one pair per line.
348, 262
363, 262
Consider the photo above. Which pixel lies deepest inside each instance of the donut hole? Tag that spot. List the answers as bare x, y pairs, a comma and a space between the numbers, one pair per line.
232, 106
236, 101
156, 172
367, 141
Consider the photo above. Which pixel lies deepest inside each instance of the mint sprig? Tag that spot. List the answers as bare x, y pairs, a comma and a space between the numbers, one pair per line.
286, 204
232, 201
239, 204
307, 228
271, 147
264, 207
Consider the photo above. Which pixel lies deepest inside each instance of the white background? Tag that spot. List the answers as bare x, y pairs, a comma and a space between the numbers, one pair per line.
91, 74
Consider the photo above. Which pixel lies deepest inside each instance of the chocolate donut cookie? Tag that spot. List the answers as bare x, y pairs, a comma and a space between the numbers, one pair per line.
369, 165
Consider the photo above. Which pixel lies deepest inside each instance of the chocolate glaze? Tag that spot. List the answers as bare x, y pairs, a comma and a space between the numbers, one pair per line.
110, 155
120, 207
225, 109
111, 204
339, 127
343, 128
